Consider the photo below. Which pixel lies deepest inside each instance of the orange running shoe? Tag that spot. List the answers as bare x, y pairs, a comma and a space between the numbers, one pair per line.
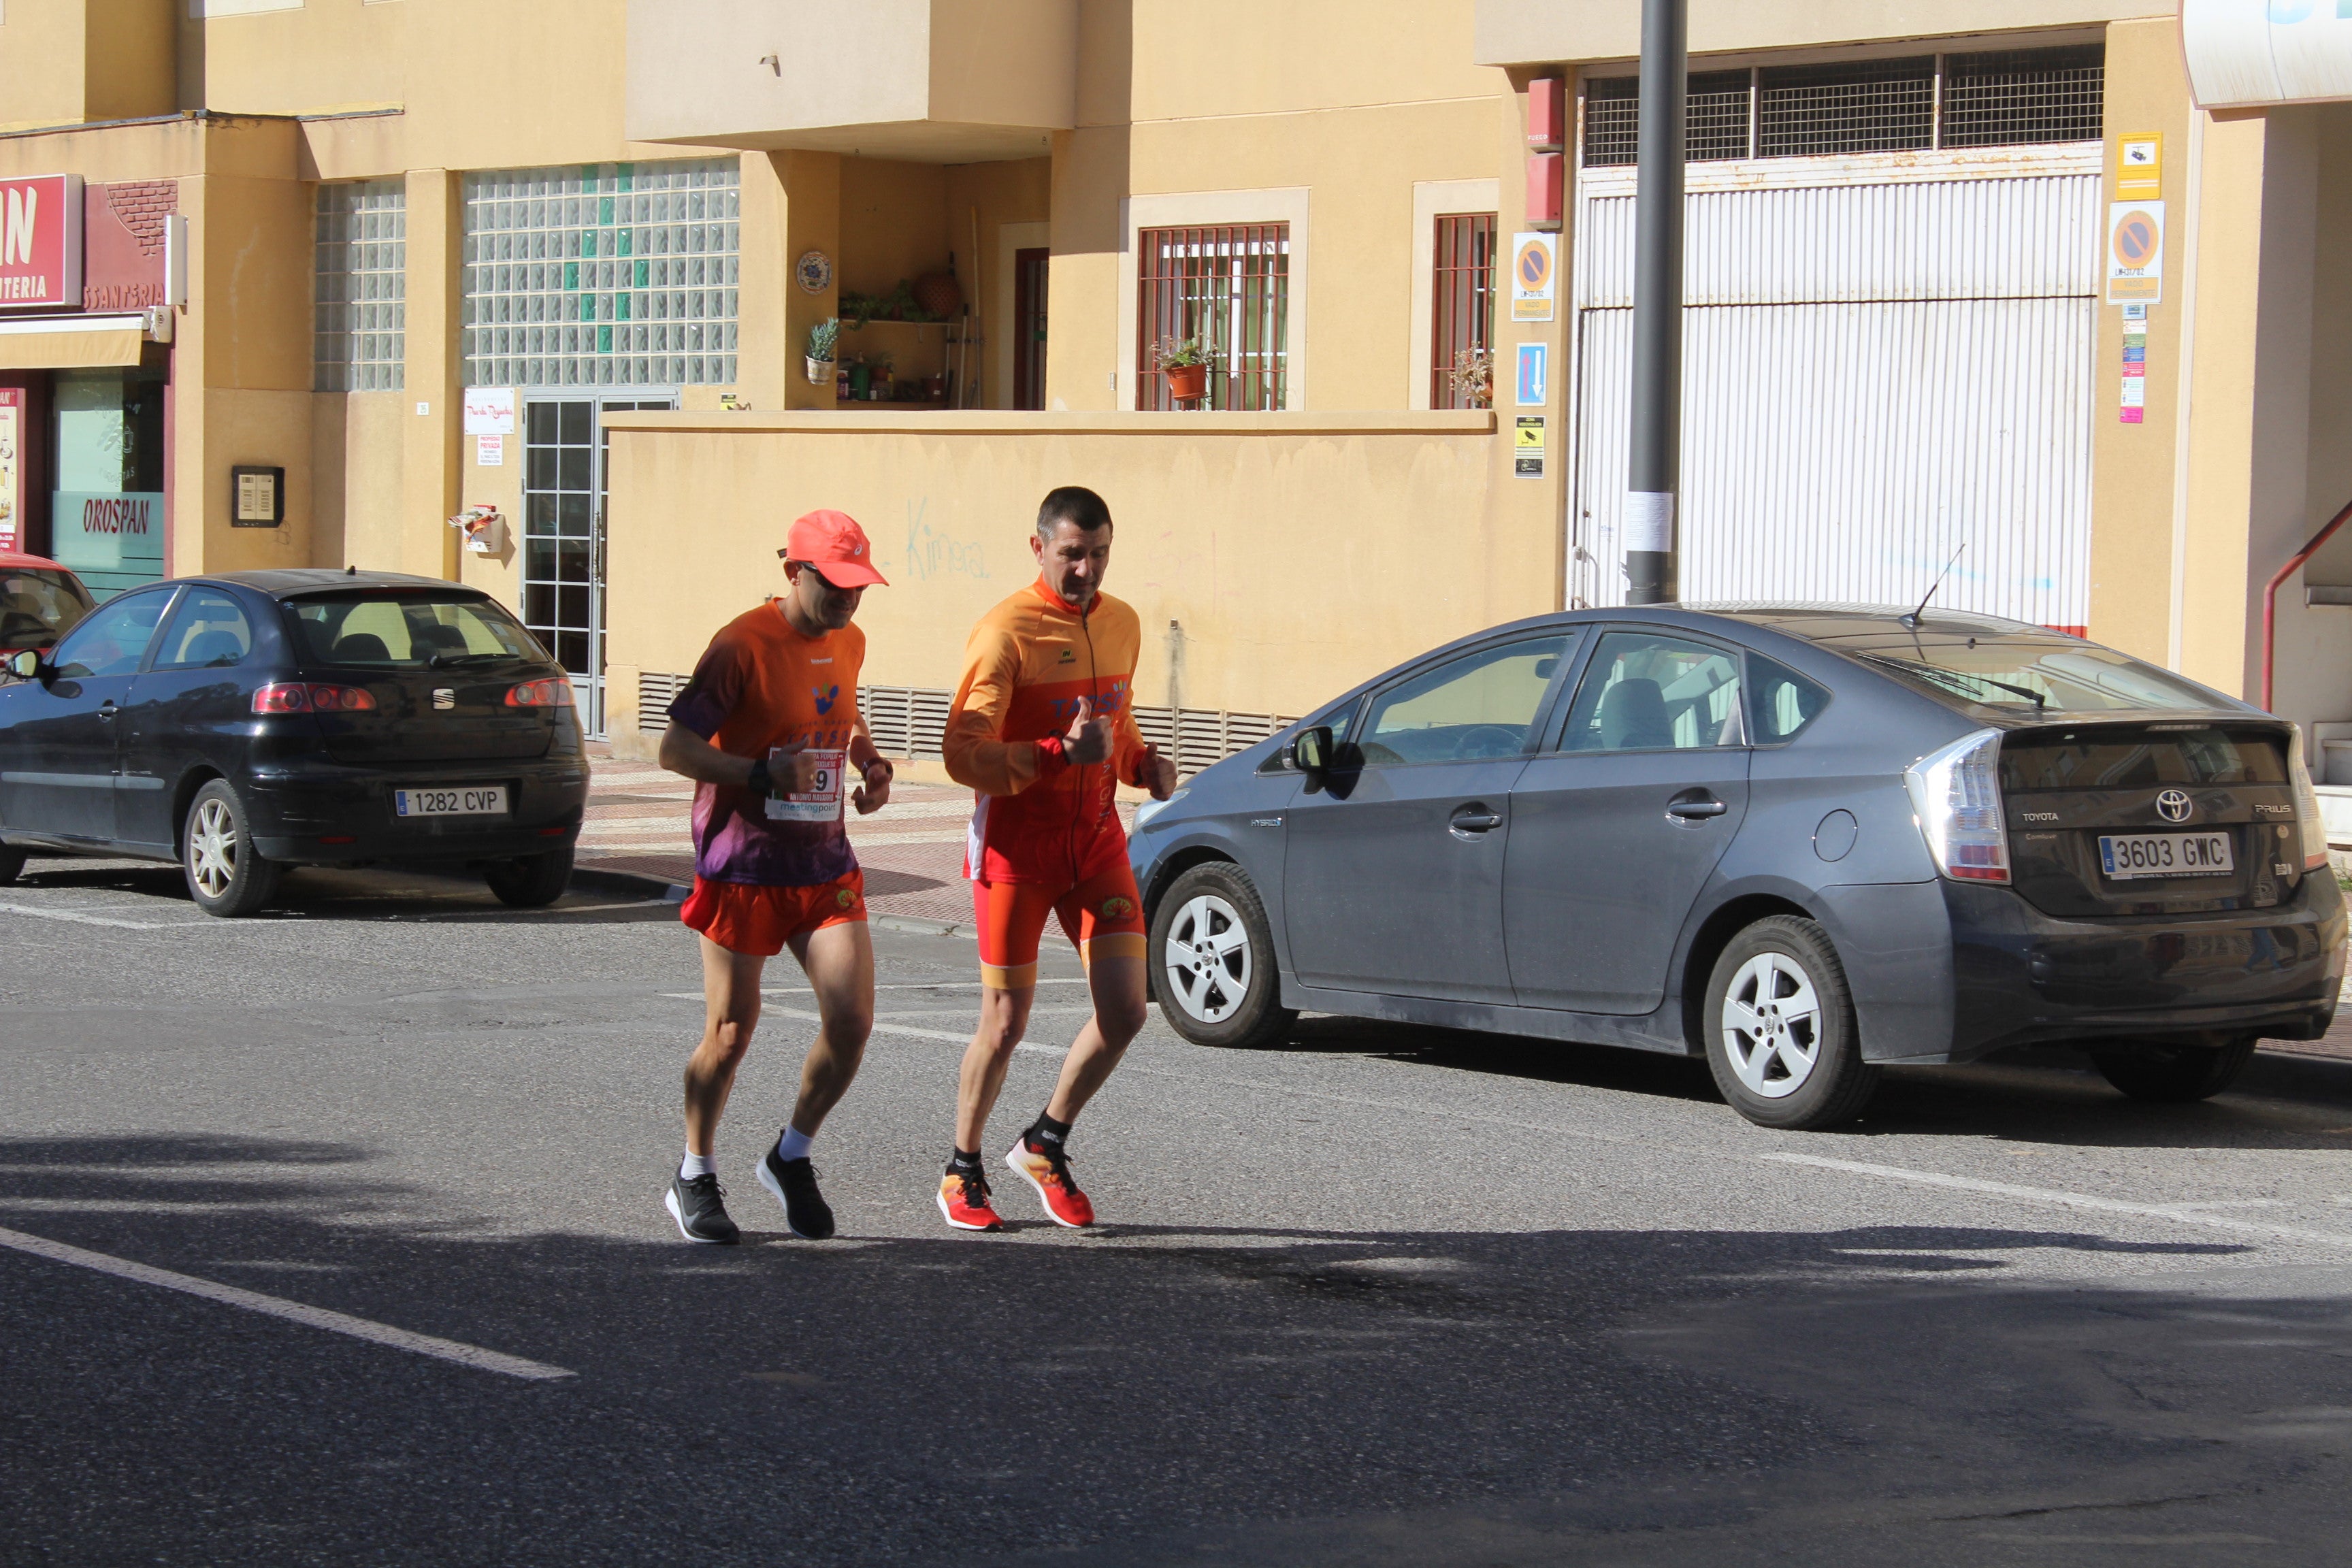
963, 1200
1046, 1167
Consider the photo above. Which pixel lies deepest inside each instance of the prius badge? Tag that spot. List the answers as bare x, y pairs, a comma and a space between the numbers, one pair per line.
2174, 805
443, 697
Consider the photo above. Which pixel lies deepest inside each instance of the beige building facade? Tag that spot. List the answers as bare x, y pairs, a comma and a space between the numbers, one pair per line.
559, 260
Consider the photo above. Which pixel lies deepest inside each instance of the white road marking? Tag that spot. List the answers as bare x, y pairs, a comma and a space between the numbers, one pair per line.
293, 1312
2179, 1213
77, 917
909, 1030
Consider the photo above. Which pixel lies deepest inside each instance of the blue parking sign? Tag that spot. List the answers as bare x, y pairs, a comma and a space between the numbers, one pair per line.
1535, 374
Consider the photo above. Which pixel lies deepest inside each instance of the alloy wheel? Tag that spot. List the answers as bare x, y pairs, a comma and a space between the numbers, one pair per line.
1772, 1026
1207, 958
212, 848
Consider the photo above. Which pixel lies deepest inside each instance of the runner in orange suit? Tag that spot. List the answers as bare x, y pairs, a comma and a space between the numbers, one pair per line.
1043, 729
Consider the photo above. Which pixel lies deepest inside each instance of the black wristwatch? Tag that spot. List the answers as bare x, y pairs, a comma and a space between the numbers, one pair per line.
759, 783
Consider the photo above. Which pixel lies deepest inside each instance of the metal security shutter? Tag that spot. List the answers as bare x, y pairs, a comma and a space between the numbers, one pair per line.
1872, 373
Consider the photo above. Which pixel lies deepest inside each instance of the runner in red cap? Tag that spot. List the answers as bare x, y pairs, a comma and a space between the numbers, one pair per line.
1043, 729
768, 727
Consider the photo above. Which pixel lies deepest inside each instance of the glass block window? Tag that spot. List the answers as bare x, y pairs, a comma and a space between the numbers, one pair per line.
2000, 97
602, 275
360, 286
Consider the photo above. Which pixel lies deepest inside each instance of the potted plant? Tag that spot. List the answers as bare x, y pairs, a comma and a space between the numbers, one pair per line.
1473, 377
1185, 363
824, 342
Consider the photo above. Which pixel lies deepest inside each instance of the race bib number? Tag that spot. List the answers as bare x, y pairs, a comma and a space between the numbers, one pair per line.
823, 802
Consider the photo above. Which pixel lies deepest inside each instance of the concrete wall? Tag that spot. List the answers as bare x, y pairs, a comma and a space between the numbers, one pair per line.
1276, 561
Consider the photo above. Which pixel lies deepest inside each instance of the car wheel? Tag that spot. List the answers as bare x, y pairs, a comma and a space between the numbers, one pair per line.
1211, 956
12, 864
528, 881
226, 876
1780, 1035
2175, 1075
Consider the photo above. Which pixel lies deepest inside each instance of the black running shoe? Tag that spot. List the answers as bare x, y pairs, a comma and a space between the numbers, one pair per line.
700, 1207
795, 1184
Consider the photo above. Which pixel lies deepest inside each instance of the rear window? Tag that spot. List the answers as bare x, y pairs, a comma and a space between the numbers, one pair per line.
410, 631
2033, 676
37, 606
2092, 759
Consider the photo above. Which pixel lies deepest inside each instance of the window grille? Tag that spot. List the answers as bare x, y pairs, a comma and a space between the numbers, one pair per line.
2011, 96
1228, 285
602, 275
1462, 302
1855, 106
359, 286
1993, 99
656, 692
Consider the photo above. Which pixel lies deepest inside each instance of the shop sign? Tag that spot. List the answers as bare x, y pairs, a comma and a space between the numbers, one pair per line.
11, 467
118, 531
126, 245
489, 411
40, 242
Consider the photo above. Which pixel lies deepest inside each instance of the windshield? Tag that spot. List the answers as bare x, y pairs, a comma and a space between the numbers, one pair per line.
2038, 677
409, 630
38, 607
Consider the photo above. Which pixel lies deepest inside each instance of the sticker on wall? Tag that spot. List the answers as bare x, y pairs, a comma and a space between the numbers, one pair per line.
2135, 407
1535, 276
489, 452
2135, 253
1527, 447
1535, 374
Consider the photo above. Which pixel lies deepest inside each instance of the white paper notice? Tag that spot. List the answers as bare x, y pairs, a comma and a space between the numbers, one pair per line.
489, 452
821, 804
1649, 521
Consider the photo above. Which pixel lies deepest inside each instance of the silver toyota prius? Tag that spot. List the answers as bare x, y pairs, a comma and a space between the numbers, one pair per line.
1801, 840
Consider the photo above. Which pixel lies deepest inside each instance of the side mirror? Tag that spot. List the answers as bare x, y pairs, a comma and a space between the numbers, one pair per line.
1311, 751
26, 665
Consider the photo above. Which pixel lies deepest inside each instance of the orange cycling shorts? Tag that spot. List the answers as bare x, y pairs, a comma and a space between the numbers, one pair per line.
743, 917
1103, 914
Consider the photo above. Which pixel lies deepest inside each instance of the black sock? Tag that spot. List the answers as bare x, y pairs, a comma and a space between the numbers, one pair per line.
1046, 1130
964, 1160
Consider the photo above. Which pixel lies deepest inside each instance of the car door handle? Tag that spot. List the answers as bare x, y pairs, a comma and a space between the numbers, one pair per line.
107, 709
1693, 810
1473, 819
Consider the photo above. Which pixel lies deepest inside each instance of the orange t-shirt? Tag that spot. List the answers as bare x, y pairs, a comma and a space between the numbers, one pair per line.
760, 685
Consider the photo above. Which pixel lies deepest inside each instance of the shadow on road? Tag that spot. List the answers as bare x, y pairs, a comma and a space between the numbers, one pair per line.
1141, 1396
334, 893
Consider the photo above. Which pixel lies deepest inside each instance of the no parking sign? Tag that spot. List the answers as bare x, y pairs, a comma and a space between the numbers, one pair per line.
2135, 253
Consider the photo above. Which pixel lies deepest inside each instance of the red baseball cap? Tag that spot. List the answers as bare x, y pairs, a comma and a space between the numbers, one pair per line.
834, 543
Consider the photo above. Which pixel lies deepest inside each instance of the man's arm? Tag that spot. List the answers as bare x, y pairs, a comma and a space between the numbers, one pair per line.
1138, 762
977, 755
874, 769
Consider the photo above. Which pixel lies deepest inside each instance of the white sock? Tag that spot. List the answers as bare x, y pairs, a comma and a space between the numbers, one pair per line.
696, 1164
793, 1144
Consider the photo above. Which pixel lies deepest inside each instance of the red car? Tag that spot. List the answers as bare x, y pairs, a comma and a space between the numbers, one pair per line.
40, 601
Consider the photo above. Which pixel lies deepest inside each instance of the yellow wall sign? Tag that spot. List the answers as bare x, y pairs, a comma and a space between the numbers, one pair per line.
1535, 276
2140, 165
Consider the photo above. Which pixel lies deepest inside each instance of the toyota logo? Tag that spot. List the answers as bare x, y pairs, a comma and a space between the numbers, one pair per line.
2173, 805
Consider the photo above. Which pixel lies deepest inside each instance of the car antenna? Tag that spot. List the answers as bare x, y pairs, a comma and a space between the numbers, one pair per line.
1912, 620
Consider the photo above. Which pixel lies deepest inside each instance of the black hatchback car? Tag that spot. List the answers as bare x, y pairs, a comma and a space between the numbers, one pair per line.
1802, 841
247, 722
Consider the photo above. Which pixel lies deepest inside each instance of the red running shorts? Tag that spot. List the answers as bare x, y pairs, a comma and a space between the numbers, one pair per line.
1103, 915
743, 917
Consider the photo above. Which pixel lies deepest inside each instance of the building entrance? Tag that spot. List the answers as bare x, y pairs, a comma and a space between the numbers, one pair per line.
563, 534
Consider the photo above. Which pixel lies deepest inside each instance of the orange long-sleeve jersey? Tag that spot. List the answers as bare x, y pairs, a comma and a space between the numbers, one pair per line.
1039, 817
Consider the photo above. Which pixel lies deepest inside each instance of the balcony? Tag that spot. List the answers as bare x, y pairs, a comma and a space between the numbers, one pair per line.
934, 81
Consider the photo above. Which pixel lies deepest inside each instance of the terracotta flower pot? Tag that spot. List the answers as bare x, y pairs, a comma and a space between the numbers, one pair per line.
1187, 383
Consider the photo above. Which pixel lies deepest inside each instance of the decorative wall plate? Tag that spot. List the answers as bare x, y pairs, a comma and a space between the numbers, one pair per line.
813, 272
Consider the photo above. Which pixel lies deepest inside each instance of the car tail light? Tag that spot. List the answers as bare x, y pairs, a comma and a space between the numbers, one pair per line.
541, 694
2306, 808
1956, 793
306, 696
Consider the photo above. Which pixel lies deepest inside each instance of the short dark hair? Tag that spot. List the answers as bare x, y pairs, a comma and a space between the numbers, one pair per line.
1073, 504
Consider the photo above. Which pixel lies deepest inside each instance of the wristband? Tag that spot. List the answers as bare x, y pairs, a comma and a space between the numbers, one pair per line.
759, 783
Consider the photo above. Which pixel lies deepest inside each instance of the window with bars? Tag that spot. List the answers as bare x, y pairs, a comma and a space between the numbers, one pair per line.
1230, 288
1461, 299
1998, 97
360, 286
602, 275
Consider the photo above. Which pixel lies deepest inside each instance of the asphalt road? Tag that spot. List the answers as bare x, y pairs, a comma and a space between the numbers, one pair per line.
1381, 1296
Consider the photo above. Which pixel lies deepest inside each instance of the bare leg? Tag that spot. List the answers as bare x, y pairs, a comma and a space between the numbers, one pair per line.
839, 960
1116, 984
731, 998
1003, 1015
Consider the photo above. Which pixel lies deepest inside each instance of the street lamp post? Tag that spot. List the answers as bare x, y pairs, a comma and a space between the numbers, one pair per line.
1654, 472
